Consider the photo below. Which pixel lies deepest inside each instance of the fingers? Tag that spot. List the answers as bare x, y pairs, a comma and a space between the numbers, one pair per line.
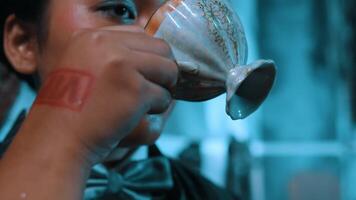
152, 58
145, 43
159, 70
159, 75
134, 38
127, 28
159, 98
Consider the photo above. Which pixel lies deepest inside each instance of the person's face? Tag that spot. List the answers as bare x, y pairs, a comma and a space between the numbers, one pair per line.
65, 17
68, 16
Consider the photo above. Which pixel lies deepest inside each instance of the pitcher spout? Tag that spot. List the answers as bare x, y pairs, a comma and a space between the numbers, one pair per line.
247, 87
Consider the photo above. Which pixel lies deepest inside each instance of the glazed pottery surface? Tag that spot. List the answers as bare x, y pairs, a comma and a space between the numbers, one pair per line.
209, 45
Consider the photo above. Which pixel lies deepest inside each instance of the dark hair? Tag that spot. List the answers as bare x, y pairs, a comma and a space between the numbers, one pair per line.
29, 11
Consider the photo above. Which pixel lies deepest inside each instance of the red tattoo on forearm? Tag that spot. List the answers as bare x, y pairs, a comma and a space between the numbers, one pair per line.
66, 88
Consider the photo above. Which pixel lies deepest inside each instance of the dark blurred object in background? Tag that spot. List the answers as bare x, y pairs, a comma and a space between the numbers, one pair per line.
191, 156
305, 38
238, 169
349, 7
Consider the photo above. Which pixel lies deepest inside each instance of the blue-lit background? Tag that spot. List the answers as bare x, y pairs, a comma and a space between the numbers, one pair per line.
301, 144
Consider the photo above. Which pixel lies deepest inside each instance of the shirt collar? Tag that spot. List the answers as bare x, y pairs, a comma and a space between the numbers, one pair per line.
24, 101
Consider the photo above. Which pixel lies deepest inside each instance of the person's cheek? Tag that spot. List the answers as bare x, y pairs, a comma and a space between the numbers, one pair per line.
65, 19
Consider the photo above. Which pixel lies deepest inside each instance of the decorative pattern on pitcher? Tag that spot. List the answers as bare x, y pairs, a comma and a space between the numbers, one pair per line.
219, 17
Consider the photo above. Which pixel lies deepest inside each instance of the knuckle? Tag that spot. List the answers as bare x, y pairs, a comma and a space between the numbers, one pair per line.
77, 37
174, 73
135, 86
98, 36
166, 99
164, 46
119, 59
137, 29
91, 37
78, 33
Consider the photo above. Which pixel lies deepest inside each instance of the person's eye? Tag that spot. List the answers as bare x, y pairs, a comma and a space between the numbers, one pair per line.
123, 11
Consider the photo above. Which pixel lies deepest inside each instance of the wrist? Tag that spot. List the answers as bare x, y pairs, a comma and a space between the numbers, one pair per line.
45, 140
40, 162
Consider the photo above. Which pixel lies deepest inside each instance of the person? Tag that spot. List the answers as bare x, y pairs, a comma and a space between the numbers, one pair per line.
99, 78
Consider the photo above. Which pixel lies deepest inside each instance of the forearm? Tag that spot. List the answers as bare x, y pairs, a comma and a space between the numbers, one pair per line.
42, 165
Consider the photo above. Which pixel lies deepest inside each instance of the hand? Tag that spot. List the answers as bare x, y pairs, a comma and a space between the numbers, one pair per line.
103, 85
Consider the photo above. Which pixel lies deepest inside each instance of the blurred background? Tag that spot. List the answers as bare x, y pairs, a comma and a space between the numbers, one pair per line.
301, 144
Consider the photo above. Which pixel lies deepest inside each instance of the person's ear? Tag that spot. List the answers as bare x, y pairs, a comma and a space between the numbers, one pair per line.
20, 45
